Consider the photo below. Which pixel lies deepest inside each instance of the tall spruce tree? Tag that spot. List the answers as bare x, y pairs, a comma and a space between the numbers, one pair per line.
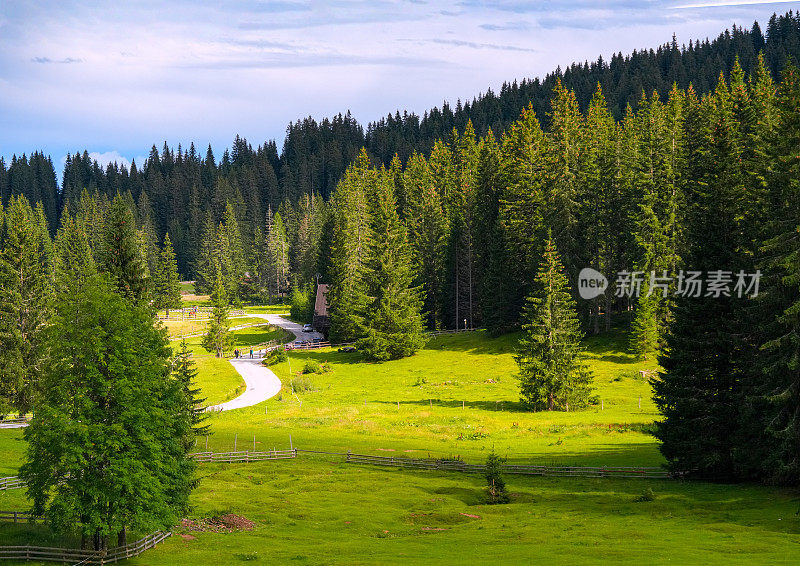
392, 317
350, 251
25, 289
185, 371
122, 256
551, 372
166, 282
218, 337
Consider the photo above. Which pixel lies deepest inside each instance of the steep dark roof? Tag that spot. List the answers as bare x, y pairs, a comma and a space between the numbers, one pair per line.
321, 304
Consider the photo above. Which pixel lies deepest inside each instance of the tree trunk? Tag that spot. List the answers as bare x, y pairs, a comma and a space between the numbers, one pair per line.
551, 404
122, 537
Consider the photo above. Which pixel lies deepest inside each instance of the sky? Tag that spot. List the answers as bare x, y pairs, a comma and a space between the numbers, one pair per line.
114, 78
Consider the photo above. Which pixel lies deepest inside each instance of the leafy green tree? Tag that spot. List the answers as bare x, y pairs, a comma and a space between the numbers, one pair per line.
106, 447
122, 256
551, 372
392, 316
166, 281
218, 337
302, 303
25, 289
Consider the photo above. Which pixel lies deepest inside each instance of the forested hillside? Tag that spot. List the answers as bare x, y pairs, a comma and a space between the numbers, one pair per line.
176, 187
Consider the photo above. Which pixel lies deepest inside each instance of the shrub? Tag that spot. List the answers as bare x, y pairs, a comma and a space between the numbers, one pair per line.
312, 366
496, 486
301, 384
647, 495
275, 357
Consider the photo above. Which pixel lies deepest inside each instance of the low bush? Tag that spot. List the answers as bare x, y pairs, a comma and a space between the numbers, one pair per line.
301, 384
275, 357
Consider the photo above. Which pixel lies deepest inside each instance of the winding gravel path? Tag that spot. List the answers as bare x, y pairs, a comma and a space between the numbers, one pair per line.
261, 382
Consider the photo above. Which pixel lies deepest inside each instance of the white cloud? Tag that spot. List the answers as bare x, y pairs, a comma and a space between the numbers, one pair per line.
109, 157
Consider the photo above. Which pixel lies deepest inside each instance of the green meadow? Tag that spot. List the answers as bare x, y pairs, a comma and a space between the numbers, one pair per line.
456, 398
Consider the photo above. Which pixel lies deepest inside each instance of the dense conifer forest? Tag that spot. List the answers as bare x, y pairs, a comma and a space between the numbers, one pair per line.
662, 163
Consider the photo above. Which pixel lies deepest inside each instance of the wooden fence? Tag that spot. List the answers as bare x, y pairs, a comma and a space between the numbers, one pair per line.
14, 423
192, 313
11, 482
520, 469
77, 556
242, 456
19, 516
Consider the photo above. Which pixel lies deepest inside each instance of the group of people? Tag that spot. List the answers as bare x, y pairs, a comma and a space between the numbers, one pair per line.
238, 353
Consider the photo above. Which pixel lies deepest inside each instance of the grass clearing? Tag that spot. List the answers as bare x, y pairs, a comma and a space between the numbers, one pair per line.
319, 510
354, 406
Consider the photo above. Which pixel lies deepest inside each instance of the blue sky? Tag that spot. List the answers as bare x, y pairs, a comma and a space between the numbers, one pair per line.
115, 78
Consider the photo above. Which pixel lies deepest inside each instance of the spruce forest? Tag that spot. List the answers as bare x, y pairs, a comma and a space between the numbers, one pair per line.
673, 160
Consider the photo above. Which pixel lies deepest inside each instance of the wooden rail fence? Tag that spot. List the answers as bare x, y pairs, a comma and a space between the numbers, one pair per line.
14, 423
243, 456
520, 469
54, 554
19, 516
11, 482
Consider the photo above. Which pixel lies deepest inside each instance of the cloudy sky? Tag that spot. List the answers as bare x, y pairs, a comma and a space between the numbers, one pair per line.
115, 78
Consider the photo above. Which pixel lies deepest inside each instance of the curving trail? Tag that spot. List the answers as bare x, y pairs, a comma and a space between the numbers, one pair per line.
261, 382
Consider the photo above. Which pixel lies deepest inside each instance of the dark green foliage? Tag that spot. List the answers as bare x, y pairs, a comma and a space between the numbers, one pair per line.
392, 317
107, 445
551, 373
496, 487
166, 282
25, 288
122, 255
276, 356
218, 337
185, 371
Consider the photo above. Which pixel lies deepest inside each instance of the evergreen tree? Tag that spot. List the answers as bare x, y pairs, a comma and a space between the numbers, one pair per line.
392, 317
122, 256
166, 281
185, 371
218, 337
73, 261
25, 288
427, 231
352, 240
206, 257
551, 372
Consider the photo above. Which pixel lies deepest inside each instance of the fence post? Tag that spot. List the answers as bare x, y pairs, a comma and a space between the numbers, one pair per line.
235, 438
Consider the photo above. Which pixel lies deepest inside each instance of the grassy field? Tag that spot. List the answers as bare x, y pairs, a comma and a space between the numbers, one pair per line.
457, 397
